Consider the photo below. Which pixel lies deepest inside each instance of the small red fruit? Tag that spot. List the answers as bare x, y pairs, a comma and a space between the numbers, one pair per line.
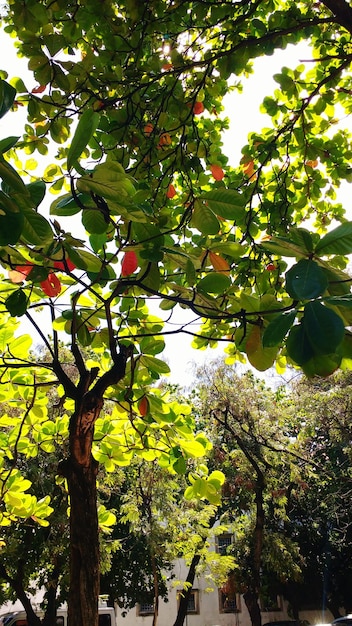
271, 267
198, 108
129, 263
171, 191
51, 285
217, 172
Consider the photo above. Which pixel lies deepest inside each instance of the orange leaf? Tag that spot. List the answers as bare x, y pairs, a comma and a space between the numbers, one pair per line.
148, 129
171, 192
20, 273
217, 172
143, 406
249, 170
39, 89
219, 263
198, 108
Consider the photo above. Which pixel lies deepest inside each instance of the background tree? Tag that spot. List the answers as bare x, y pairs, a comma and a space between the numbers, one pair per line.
317, 514
164, 217
248, 426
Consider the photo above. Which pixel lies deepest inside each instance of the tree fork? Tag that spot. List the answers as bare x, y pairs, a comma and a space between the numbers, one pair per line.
80, 469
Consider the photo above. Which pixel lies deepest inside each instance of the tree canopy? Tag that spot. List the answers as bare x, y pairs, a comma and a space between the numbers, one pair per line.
150, 217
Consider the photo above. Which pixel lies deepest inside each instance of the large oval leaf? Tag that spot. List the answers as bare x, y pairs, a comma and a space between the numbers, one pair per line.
36, 229
305, 280
337, 241
261, 358
85, 128
204, 219
278, 329
214, 283
227, 203
323, 327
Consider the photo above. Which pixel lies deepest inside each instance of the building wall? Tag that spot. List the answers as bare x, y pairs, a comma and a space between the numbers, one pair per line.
209, 608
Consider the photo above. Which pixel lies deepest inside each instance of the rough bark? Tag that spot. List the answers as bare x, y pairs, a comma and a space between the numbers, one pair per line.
251, 596
80, 470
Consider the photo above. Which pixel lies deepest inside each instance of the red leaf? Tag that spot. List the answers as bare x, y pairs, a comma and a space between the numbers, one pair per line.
129, 263
20, 273
65, 265
39, 89
51, 285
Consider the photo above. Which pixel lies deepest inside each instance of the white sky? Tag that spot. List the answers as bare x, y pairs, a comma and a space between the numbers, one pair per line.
243, 111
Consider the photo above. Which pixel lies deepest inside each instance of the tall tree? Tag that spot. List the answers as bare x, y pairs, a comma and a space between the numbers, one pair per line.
131, 94
251, 440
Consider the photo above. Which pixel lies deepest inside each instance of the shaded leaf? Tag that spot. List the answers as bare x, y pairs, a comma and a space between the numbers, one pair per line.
324, 328
278, 328
305, 280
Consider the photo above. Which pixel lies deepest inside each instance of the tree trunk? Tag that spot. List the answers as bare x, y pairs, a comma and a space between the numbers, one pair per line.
251, 600
81, 472
183, 604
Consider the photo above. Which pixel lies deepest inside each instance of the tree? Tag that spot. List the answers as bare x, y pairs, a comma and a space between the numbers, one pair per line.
317, 515
131, 95
249, 431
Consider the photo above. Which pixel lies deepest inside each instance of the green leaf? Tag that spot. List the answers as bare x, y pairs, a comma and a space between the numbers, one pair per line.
323, 327
11, 225
283, 247
86, 126
16, 303
9, 175
337, 241
156, 365
37, 192
36, 229
278, 328
7, 97
230, 248
214, 283
305, 280
192, 448
344, 300
204, 219
67, 205
298, 347
7, 144
94, 221
227, 203
110, 181
85, 260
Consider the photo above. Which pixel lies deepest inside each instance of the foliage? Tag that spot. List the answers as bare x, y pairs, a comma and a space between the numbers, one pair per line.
318, 513
131, 95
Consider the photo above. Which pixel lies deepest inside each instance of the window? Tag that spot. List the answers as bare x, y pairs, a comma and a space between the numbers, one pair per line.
104, 619
193, 601
228, 602
223, 542
145, 608
229, 599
